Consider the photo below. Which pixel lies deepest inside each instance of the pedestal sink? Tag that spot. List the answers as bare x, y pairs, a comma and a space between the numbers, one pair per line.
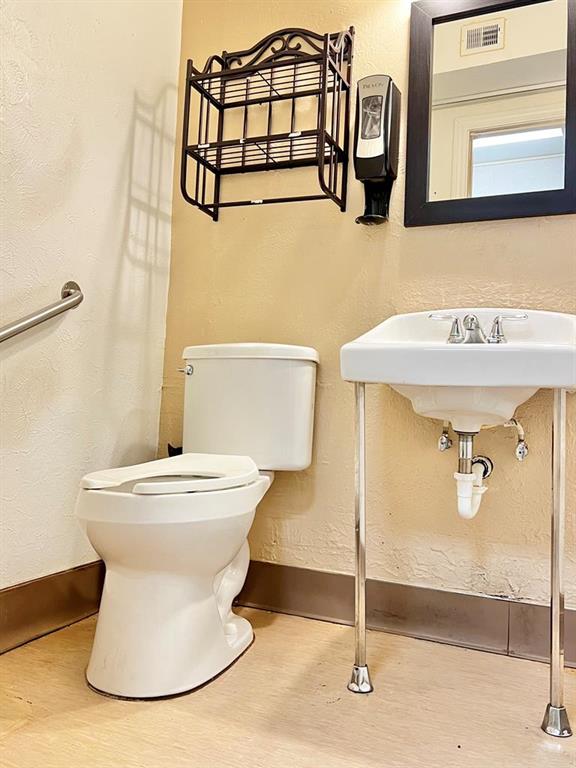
470, 385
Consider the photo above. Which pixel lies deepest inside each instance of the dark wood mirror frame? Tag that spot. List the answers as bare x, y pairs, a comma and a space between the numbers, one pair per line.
419, 211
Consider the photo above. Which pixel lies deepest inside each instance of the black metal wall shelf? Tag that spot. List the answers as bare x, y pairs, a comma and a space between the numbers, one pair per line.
287, 66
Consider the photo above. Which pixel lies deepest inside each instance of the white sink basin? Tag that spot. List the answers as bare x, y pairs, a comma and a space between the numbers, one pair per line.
470, 385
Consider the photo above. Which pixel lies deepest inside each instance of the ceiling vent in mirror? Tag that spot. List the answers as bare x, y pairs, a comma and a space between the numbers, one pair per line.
477, 38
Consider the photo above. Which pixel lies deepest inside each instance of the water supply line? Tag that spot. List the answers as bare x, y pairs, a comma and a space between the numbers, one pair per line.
521, 446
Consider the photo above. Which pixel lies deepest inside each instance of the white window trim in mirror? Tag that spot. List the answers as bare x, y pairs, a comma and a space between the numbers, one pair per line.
458, 135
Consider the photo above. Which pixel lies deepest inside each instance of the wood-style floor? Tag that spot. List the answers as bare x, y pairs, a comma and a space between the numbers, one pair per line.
285, 705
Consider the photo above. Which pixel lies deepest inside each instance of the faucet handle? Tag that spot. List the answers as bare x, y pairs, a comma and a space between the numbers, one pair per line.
456, 333
497, 331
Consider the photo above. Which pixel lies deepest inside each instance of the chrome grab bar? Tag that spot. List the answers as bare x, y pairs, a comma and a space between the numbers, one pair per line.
71, 296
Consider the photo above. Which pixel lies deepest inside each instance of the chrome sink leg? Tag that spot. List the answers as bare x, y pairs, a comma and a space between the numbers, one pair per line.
360, 680
556, 721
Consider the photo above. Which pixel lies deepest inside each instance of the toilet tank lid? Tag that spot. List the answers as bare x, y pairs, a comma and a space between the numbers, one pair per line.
251, 350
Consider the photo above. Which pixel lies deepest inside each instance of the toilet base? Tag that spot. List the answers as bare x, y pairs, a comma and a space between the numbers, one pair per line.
177, 695
164, 634
238, 636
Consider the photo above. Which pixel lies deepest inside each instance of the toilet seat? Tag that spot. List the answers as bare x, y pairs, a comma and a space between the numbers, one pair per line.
187, 473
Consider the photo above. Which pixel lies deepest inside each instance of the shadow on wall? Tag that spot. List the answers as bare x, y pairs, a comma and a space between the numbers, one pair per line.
137, 303
150, 152
82, 391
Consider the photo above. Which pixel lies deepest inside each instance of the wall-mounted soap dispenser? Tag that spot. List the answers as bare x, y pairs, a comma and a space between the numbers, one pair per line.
376, 135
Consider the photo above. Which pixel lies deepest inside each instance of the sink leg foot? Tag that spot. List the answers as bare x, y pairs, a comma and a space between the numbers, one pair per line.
556, 722
360, 681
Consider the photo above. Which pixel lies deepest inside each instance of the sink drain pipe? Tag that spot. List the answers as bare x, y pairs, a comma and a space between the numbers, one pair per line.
470, 476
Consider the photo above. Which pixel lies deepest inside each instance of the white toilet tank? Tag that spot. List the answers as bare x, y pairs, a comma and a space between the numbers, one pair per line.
252, 400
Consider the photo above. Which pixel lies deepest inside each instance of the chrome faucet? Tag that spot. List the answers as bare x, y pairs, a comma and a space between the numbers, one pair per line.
473, 333
469, 330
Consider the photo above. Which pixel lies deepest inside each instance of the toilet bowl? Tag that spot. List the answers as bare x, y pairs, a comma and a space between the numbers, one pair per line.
173, 532
176, 554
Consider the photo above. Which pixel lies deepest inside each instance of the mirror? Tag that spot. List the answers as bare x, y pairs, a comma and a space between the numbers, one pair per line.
491, 126
499, 103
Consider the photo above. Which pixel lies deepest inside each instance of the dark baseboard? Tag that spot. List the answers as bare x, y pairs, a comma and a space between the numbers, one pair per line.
37, 607
472, 621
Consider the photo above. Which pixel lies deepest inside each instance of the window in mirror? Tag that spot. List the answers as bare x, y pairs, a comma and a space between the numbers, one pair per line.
498, 103
521, 160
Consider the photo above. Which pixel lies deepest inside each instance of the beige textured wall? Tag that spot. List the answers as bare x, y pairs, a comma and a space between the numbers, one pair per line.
307, 274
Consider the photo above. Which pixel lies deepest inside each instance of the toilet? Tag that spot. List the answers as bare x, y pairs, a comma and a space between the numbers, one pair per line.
173, 532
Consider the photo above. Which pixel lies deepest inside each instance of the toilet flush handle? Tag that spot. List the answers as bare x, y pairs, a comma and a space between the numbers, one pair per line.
188, 370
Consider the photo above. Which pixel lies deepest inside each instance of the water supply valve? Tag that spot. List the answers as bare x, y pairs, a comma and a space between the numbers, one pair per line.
521, 450
444, 441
